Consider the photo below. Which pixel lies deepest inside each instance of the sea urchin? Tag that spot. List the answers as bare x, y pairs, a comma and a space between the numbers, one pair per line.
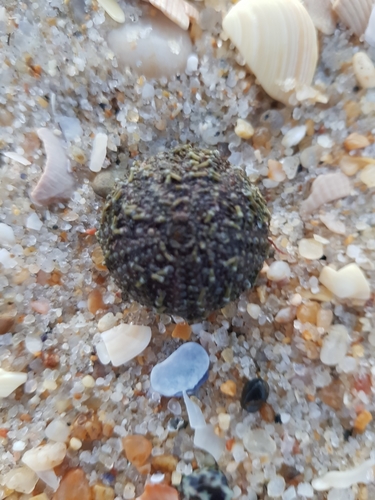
185, 233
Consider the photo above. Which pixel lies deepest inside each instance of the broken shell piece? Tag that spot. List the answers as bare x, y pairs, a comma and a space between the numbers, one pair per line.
322, 15
364, 473
367, 176
178, 11
99, 151
124, 342
326, 188
347, 283
355, 14
113, 9
56, 183
10, 381
364, 70
333, 224
370, 30
281, 33
18, 158
44, 458
152, 46
311, 249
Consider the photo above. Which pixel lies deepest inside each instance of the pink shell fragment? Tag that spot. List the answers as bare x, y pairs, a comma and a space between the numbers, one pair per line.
56, 183
326, 188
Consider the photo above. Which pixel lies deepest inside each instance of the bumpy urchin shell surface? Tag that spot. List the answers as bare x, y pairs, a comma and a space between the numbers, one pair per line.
185, 233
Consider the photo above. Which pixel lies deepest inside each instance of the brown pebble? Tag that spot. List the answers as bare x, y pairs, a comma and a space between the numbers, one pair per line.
107, 430
73, 486
137, 449
86, 427
307, 313
6, 323
164, 463
102, 492
229, 388
95, 301
267, 413
261, 137
332, 395
50, 359
291, 475
98, 259
362, 421
182, 331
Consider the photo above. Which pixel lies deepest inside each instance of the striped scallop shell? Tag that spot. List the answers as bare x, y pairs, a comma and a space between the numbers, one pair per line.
355, 14
178, 11
278, 41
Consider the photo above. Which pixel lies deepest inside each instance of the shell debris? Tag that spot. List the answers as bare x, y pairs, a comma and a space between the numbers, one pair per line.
364, 473
370, 30
324, 18
326, 188
178, 11
113, 9
355, 14
99, 151
283, 34
347, 283
364, 70
56, 183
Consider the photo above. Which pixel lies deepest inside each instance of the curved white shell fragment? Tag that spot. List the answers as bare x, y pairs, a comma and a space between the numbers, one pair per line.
178, 11
364, 473
113, 9
370, 30
326, 188
323, 16
278, 41
9, 381
355, 14
347, 283
99, 152
56, 182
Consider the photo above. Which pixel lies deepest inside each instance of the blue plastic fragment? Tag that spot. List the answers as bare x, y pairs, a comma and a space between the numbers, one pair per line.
184, 370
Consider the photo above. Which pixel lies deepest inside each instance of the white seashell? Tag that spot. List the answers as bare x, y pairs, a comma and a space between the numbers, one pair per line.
113, 9
347, 283
367, 176
44, 458
326, 188
56, 182
125, 342
364, 70
364, 473
21, 479
99, 151
322, 15
18, 158
10, 381
278, 41
311, 249
370, 30
355, 14
152, 46
178, 11
333, 224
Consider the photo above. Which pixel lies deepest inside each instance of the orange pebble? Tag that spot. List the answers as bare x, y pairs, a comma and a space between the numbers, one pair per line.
229, 388
95, 301
362, 421
307, 313
182, 331
73, 486
159, 492
137, 449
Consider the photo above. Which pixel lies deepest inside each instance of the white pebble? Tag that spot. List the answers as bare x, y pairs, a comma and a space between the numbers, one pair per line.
294, 136
33, 344
367, 175
113, 9
278, 271
224, 421
363, 473
7, 237
106, 322
33, 222
258, 442
364, 70
99, 152
333, 224
290, 165
254, 310
335, 345
244, 129
125, 342
75, 444
57, 430
148, 91
310, 157
305, 490
45, 457
310, 249
206, 439
6, 260
340, 494
276, 487
347, 283
192, 64
325, 141
10, 381
289, 494
88, 381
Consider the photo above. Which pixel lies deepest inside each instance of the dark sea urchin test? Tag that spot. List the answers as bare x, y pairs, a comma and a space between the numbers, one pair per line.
186, 233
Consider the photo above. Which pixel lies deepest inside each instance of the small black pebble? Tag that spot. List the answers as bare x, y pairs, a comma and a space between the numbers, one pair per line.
278, 419
323, 257
356, 88
254, 394
23, 176
347, 434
